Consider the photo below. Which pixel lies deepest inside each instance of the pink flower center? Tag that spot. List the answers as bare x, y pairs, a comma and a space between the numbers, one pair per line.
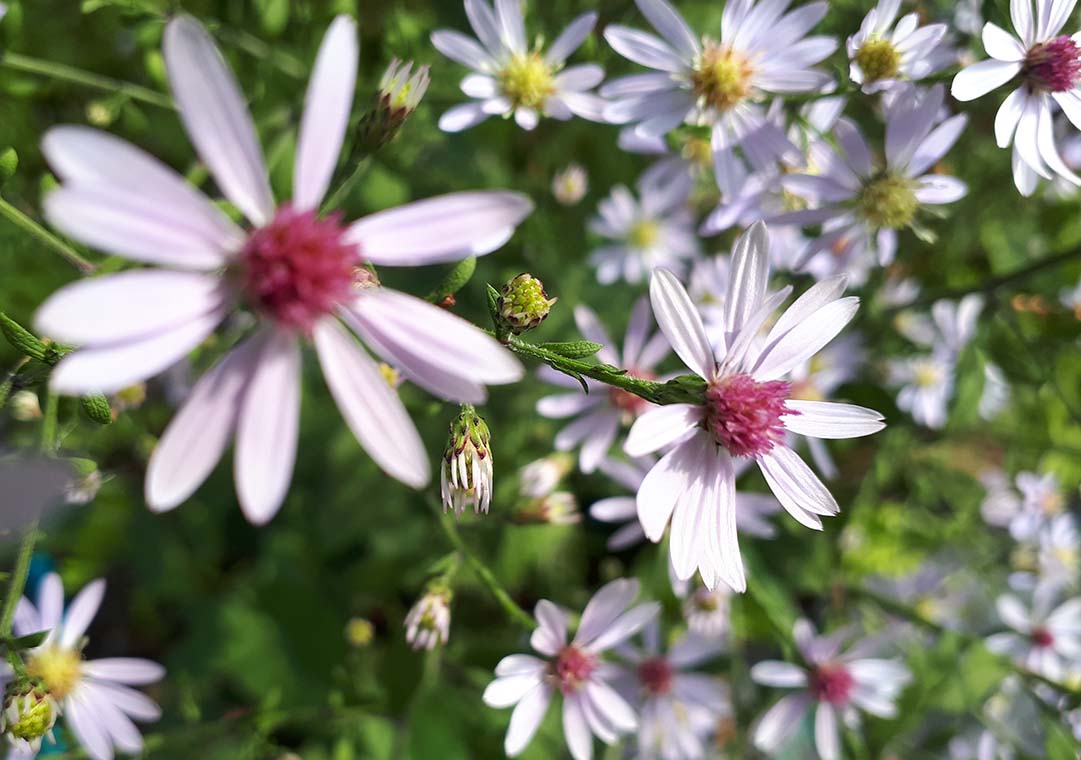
1042, 638
655, 675
832, 683
744, 416
298, 267
1054, 65
572, 668
627, 402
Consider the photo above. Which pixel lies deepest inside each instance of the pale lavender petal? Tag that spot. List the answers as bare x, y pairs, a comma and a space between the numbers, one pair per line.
125, 670
87, 725
621, 629
660, 488
783, 675
463, 117
780, 721
51, 602
827, 734
81, 612
509, 690
644, 49
826, 419
667, 20
576, 729
980, 78
551, 633
610, 601
571, 38
806, 339
526, 719
681, 323
794, 483
462, 49
661, 427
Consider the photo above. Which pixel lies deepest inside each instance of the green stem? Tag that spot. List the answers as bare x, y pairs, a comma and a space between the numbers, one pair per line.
25, 223
346, 187
486, 577
258, 48
64, 73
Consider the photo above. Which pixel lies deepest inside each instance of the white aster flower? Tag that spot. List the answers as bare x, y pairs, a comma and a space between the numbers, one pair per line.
428, 622
656, 229
861, 203
835, 684
590, 705
926, 387
708, 612
1040, 499
604, 411
300, 273
1049, 66
745, 412
510, 78
570, 185
95, 697
762, 51
1043, 640
678, 709
1059, 553
540, 478
884, 55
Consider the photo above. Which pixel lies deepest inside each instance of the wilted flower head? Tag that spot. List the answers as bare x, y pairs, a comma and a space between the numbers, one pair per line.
465, 477
570, 185
428, 622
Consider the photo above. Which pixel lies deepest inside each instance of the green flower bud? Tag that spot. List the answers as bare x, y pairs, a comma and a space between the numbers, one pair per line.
466, 474
523, 304
400, 92
29, 713
96, 407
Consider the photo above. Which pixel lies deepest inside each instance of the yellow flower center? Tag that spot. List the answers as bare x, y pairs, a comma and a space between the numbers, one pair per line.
721, 77
888, 201
878, 59
927, 375
527, 81
698, 151
60, 669
392, 376
1051, 503
644, 234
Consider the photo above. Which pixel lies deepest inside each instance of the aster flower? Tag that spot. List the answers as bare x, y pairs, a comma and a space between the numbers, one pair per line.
604, 410
885, 54
510, 78
1048, 65
301, 274
707, 612
926, 386
678, 709
862, 204
1040, 499
466, 474
836, 684
95, 697
428, 622
762, 51
745, 412
570, 185
590, 705
656, 229
1044, 640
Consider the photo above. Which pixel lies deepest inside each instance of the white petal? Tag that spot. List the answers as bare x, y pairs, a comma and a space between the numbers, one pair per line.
779, 722
576, 729
85, 722
827, 733
623, 628
935, 190
51, 602
611, 706
133, 703
462, 49
565, 405
795, 485
659, 490
509, 14
980, 78
661, 427
1013, 613
1023, 21
818, 295
326, 113
526, 719
370, 406
509, 690
825, 419
266, 434
80, 612
610, 601
463, 117
437, 230
667, 20
806, 339
519, 665
121, 731
681, 323
783, 675
643, 48
748, 277
126, 670
571, 38
1000, 44
216, 117
551, 633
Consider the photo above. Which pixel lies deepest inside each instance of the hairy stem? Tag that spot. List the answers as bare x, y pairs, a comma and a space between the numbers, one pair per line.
64, 73
35, 230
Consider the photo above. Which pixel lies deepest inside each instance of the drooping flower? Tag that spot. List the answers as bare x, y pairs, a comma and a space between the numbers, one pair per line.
708, 612
466, 473
570, 185
746, 411
884, 55
762, 51
95, 697
510, 78
1048, 67
863, 204
301, 274
576, 669
1044, 639
428, 622
835, 683
656, 229
601, 413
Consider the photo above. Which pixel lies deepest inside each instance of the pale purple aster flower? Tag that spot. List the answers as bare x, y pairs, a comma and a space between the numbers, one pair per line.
678, 708
835, 684
1048, 65
926, 386
95, 697
428, 622
604, 410
510, 78
1045, 640
762, 51
300, 273
885, 54
656, 229
745, 412
1039, 499
862, 204
590, 705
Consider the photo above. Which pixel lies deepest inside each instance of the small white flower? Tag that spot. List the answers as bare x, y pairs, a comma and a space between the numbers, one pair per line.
570, 185
835, 684
575, 669
884, 55
1043, 640
601, 413
1049, 66
540, 478
510, 78
1026, 513
96, 700
708, 612
926, 387
746, 411
428, 622
656, 229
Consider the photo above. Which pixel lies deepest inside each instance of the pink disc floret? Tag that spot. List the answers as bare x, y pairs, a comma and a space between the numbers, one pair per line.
1042, 638
625, 401
299, 267
832, 683
571, 668
744, 415
1054, 66
655, 675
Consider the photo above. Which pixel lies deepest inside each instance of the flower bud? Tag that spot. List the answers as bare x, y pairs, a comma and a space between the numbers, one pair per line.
428, 622
359, 632
523, 304
29, 714
466, 475
398, 96
570, 185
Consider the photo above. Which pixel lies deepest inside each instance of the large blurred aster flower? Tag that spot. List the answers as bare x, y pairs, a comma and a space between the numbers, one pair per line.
510, 78
95, 696
1048, 65
746, 410
1044, 639
885, 54
590, 705
302, 274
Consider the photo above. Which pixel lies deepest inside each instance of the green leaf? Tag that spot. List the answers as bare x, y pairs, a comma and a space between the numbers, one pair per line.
21, 339
573, 349
28, 641
455, 280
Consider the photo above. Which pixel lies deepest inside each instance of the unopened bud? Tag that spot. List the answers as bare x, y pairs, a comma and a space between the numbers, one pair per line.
29, 714
400, 92
428, 622
96, 407
523, 304
570, 185
466, 475
359, 632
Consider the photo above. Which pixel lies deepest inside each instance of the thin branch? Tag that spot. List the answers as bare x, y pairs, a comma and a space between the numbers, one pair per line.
73, 75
